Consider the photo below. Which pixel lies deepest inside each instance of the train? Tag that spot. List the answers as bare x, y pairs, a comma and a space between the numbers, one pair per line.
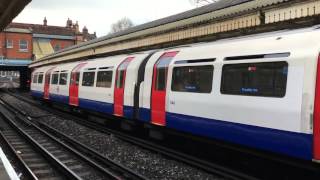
258, 91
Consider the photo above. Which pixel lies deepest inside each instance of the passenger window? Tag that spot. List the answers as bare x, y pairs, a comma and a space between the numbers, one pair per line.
40, 78
63, 78
104, 79
35, 78
88, 78
255, 79
55, 78
161, 73
196, 79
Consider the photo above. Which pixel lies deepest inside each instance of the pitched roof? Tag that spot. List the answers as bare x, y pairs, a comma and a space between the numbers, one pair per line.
41, 29
221, 8
177, 17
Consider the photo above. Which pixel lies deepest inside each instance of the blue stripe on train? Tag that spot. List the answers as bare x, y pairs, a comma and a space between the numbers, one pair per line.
290, 143
37, 94
128, 112
144, 114
59, 98
97, 106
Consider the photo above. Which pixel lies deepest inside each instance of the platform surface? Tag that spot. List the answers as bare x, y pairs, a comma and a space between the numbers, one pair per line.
6, 170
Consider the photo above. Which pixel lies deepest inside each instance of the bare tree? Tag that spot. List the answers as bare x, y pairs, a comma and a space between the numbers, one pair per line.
121, 25
202, 2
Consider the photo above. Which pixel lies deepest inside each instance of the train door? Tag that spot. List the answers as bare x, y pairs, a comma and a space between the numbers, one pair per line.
158, 94
119, 86
74, 85
47, 78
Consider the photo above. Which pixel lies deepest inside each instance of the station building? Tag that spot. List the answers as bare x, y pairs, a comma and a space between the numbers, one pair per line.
22, 43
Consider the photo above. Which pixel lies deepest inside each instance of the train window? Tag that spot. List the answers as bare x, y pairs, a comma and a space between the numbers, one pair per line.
63, 78
77, 78
120, 78
35, 78
255, 79
104, 79
196, 79
55, 79
74, 79
88, 78
161, 73
40, 78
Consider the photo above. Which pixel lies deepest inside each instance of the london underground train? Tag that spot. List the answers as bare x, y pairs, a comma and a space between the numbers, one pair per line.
259, 91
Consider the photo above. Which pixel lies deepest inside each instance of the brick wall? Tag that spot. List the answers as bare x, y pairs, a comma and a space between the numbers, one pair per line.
15, 52
62, 43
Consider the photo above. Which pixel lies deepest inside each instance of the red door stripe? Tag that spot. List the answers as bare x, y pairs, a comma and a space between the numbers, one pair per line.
316, 120
46, 89
158, 95
120, 86
74, 86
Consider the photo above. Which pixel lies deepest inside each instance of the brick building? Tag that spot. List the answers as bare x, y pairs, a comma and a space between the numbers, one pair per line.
20, 43
16, 47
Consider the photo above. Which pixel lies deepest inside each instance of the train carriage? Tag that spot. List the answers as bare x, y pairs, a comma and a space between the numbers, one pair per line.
37, 81
258, 91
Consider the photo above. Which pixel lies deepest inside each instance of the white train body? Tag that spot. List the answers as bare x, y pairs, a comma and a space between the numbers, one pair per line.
257, 91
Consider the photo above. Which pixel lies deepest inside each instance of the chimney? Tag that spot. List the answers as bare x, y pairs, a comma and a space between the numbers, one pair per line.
69, 23
45, 22
85, 30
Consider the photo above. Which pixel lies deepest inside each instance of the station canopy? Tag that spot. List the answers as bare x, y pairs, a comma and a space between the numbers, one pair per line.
9, 9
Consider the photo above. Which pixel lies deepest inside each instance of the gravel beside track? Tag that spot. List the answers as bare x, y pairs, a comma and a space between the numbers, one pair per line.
149, 164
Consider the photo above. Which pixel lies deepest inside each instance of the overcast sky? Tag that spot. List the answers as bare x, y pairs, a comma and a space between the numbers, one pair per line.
98, 15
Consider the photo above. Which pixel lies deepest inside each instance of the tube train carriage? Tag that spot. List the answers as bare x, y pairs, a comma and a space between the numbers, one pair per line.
260, 91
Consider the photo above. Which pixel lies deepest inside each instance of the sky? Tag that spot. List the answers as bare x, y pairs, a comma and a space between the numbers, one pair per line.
99, 15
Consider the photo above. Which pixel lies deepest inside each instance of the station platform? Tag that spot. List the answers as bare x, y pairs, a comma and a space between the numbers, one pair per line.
6, 170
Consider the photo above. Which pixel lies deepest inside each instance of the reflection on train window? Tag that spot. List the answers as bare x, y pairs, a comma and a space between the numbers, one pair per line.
88, 78
40, 78
104, 79
63, 78
74, 79
161, 73
255, 79
55, 78
120, 79
77, 78
196, 79
35, 78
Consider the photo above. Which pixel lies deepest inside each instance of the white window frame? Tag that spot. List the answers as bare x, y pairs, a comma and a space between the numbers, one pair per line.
27, 45
9, 44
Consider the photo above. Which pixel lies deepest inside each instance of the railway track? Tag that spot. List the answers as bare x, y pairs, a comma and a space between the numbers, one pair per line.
181, 157
47, 156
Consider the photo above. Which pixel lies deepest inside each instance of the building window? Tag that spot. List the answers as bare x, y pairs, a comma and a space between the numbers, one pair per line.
9, 44
104, 79
255, 79
57, 47
63, 78
196, 79
23, 46
88, 78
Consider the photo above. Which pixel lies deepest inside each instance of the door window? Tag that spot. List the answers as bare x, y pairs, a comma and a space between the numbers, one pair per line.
162, 73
